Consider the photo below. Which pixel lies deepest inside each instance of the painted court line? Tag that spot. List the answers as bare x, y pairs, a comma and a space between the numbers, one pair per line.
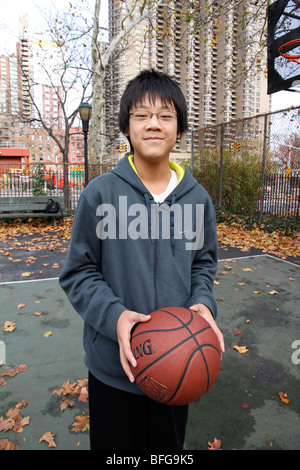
225, 259
259, 256
29, 280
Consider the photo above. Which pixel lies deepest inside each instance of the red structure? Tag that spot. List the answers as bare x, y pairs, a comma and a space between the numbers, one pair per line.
13, 156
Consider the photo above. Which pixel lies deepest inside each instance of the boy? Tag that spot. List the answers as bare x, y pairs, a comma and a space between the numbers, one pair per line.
130, 254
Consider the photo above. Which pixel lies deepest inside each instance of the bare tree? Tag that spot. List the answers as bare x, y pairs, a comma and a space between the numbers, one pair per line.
61, 62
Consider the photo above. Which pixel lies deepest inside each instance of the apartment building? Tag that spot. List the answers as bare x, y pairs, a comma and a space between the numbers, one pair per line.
216, 65
17, 130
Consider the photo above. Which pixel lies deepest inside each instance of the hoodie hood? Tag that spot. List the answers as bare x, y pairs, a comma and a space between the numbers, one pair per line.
126, 170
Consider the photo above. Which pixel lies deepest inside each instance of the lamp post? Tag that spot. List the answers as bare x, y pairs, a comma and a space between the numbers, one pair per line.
85, 111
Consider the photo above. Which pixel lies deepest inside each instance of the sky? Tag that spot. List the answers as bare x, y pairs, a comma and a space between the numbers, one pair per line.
34, 10
9, 31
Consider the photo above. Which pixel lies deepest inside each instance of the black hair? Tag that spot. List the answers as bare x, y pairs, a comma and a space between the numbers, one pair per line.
156, 85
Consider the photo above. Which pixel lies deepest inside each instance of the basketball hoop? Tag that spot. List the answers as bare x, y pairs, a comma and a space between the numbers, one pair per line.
292, 58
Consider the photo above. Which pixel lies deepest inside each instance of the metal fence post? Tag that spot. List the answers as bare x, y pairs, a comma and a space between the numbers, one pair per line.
221, 165
192, 149
263, 166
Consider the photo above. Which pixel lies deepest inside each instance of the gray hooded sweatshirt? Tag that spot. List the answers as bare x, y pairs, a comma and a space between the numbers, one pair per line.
128, 252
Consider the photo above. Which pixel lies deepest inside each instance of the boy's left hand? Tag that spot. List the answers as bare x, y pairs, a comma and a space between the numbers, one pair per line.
207, 315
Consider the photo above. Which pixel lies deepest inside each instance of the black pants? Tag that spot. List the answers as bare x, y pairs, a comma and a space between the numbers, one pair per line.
125, 421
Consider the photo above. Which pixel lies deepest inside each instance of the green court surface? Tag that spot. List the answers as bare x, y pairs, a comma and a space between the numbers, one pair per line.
257, 296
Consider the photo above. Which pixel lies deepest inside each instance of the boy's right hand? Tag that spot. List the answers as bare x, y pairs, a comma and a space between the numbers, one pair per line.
125, 323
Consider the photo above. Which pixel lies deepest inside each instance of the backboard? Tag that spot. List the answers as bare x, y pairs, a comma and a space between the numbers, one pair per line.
283, 45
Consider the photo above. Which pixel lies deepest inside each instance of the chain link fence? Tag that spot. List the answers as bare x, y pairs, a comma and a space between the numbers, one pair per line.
248, 166
251, 165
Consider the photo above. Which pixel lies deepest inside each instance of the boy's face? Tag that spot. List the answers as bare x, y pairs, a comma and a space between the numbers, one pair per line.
153, 138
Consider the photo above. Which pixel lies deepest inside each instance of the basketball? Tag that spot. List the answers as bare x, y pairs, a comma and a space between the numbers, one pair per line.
178, 356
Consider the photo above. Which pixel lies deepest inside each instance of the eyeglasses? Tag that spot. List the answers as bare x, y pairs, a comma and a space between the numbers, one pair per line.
165, 116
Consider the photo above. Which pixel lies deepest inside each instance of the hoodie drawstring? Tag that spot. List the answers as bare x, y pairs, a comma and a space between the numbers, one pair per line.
148, 205
172, 224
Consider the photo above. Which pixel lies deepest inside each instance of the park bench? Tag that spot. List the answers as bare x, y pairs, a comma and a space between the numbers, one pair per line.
29, 206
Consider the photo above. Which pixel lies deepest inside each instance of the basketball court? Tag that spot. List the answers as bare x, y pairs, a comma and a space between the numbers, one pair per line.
258, 296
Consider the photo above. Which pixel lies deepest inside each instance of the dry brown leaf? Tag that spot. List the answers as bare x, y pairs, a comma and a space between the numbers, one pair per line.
83, 395
66, 403
283, 397
215, 445
237, 332
48, 333
82, 423
9, 326
3, 381
241, 349
48, 437
5, 444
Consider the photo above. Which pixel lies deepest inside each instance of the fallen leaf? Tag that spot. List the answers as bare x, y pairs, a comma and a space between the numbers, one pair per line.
27, 273
48, 333
241, 349
66, 403
257, 292
38, 314
215, 445
22, 404
273, 292
283, 397
247, 269
237, 332
21, 305
245, 405
48, 437
3, 382
9, 326
15, 421
5, 444
82, 423
83, 395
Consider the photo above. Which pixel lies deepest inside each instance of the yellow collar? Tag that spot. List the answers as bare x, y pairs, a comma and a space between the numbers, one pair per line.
173, 166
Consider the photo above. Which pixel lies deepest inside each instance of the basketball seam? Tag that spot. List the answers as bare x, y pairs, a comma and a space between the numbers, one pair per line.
186, 324
186, 366
169, 329
170, 350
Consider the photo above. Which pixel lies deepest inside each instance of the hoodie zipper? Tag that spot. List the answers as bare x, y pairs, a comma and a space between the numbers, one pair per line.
155, 277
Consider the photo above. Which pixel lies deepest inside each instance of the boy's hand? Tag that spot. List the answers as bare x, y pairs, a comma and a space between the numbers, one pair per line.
124, 326
207, 315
